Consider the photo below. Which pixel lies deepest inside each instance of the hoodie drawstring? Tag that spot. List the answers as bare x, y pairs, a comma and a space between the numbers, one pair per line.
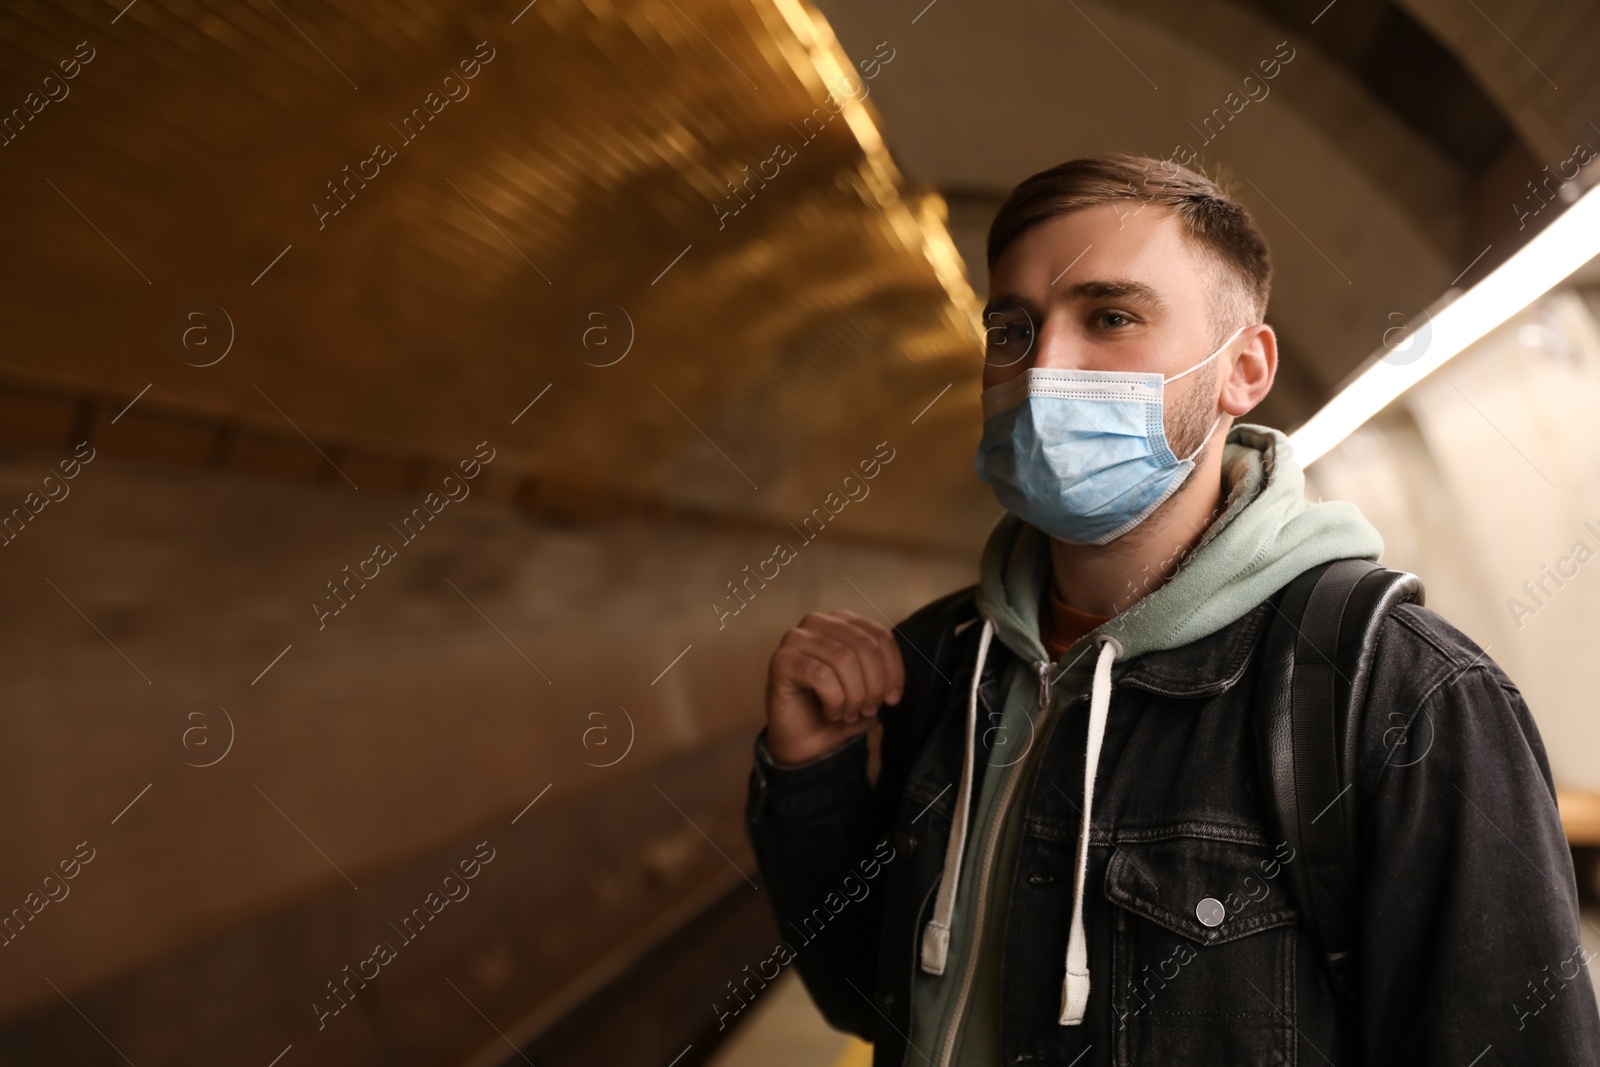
1075, 986
936, 935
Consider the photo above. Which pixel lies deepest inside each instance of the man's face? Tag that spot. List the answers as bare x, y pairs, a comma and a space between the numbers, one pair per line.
1108, 288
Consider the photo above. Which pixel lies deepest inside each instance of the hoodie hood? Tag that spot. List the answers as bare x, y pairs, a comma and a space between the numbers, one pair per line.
1266, 535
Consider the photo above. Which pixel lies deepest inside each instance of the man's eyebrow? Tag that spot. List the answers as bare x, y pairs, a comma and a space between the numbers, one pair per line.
1092, 289
1004, 302
1115, 288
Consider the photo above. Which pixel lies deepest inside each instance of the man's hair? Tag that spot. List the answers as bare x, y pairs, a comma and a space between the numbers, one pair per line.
1217, 224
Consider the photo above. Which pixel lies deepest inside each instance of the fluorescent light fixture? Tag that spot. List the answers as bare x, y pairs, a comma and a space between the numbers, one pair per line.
1537, 267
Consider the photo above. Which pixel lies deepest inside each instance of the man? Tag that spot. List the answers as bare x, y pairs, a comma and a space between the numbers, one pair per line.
1105, 671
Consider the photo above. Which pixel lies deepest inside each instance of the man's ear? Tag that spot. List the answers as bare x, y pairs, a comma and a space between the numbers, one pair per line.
1251, 372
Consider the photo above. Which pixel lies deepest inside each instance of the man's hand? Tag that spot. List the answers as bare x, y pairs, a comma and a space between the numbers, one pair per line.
825, 684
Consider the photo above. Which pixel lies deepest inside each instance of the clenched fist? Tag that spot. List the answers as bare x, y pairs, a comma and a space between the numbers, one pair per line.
825, 683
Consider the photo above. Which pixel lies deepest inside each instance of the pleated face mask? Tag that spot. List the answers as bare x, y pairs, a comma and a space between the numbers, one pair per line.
1082, 455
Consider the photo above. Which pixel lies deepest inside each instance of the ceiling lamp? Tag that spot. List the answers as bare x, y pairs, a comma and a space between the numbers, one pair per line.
1537, 267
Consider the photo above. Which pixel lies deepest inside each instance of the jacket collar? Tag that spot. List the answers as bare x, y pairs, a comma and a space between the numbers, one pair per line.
1205, 667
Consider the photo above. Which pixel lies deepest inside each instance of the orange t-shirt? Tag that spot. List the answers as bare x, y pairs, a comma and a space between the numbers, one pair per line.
1060, 625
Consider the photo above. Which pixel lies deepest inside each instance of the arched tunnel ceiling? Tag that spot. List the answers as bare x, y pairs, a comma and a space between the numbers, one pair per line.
416, 300
1535, 58
592, 164
1366, 164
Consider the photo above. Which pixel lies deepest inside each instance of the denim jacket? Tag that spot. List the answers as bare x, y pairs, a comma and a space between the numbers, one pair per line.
1470, 927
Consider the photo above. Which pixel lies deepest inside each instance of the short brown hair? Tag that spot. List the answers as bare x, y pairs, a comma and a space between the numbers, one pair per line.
1213, 220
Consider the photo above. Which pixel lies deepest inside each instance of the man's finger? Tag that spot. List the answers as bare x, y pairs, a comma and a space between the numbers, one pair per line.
805, 671
846, 667
868, 657
887, 651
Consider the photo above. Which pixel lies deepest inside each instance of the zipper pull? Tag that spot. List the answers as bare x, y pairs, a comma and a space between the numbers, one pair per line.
1044, 685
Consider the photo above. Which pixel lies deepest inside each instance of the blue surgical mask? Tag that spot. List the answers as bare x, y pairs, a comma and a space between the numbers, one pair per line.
1082, 455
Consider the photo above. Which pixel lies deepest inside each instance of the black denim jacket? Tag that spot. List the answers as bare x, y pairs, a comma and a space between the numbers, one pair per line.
1470, 952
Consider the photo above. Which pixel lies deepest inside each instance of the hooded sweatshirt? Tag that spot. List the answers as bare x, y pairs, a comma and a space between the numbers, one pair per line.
1266, 534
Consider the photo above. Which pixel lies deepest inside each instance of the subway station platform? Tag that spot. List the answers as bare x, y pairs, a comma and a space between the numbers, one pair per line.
786, 1030
422, 426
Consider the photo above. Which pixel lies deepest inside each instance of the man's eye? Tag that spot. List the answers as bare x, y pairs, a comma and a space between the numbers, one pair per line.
1114, 320
1008, 332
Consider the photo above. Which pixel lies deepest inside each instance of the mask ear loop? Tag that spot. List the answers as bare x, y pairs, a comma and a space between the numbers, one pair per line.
1218, 420
1198, 448
1220, 349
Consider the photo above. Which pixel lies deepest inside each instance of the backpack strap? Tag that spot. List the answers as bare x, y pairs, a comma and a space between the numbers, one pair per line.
1318, 660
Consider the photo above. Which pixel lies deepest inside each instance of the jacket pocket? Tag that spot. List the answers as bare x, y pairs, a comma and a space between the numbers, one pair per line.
1203, 952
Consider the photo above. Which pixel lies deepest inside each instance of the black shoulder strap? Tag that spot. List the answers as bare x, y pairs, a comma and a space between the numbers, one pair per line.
1317, 662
